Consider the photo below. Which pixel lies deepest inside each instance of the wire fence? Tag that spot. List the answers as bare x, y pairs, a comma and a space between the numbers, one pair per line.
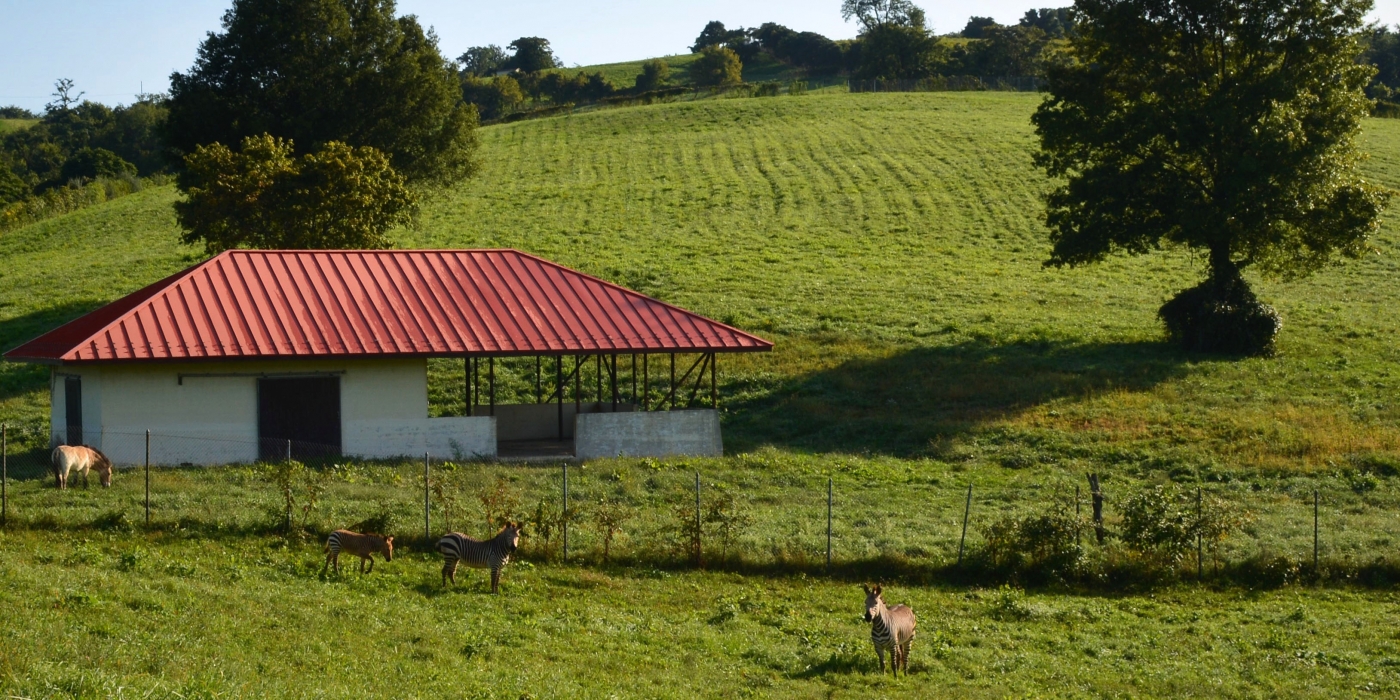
748, 512
952, 83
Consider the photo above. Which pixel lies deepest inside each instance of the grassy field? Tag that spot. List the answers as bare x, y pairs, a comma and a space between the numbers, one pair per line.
78, 576
8, 125
891, 245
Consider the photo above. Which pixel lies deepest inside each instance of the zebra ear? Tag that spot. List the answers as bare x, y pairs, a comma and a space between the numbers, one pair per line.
866, 586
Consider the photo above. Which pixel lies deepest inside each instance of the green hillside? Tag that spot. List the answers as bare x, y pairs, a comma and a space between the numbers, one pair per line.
891, 244
760, 68
8, 125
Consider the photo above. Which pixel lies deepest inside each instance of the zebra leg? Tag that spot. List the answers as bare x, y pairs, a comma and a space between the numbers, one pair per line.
880, 652
449, 570
495, 579
904, 655
328, 564
371, 564
335, 557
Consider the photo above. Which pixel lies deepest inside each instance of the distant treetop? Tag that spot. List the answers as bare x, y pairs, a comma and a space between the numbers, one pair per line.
532, 55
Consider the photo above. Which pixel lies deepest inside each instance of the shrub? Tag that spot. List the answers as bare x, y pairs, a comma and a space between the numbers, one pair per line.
769, 89
299, 488
609, 515
501, 504
728, 518
1047, 543
1221, 318
1162, 523
797, 87
92, 163
655, 75
716, 66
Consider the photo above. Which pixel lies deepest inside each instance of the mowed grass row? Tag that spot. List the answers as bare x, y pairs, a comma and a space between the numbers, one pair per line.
203, 606
891, 245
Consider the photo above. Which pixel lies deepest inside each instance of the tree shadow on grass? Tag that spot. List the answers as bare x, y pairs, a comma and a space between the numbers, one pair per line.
914, 403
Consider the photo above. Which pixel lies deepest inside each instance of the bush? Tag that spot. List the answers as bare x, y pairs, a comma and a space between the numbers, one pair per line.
770, 89
92, 163
655, 75
1221, 318
716, 66
1162, 524
609, 516
300, 490
1046, 544
494, 97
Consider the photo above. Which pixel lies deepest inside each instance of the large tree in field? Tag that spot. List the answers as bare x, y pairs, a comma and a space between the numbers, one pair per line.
317, 71
1225, 126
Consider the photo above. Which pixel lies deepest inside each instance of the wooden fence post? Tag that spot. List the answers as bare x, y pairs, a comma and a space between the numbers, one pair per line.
4, 474
1097, 494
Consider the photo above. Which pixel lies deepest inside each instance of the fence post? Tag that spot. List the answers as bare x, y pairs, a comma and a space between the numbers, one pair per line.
1316, 572
1097, 494
828, 524
148, 478
427, 533
1200, 550
699, 545
1077, 523
967, 510
4, 474
565, 514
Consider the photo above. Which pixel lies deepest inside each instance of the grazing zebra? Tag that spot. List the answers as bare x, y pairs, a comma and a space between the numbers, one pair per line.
79, 458
890, 628
492, 554
362, 546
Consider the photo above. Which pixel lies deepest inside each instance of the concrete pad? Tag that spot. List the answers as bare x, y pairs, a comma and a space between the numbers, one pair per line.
648, 434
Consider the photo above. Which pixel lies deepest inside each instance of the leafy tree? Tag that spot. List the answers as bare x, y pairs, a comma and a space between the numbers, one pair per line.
717, 65
483, 60
810, 50
1383, 52
317, 71
12, 187
92, 163
898, 52
1055, 22
976, 26
1004, 51
876, 14
13, 112
532, 55
655, 75
1228, 127
493, 97
770, 35
265, 196
714, 34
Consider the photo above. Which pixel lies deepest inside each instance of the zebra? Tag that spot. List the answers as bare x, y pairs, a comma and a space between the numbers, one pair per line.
492, 554
890, 628
362, 546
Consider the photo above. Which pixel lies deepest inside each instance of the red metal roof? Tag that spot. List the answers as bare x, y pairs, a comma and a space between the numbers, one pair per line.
245, 304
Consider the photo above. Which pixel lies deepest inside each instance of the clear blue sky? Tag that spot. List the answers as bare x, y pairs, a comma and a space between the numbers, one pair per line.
112, 48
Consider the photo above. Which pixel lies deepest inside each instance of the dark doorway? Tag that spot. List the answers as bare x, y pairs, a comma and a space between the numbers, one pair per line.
73, 410
304, 411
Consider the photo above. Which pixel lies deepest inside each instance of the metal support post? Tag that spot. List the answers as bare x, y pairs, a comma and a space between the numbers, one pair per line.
672, 386
646, 384
714, 383
559, 389
289, 450
578, 386
1200, 547
967, 510
491, 374
539, 384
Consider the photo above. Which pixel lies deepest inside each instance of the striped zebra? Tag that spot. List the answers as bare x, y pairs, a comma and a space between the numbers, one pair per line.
890, 628
362, 546
492, 554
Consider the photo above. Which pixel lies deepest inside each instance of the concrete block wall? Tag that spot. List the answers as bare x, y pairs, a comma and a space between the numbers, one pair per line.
649, 434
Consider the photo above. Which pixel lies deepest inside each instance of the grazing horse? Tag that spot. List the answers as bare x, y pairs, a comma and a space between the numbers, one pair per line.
890, 628
81, 458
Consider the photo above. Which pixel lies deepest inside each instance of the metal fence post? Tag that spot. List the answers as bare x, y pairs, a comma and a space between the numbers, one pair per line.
427, 533
1200, 548
564, 515
699, 545
828, 524
4, 474
289, 450
1315, 548
148, 477
967, 510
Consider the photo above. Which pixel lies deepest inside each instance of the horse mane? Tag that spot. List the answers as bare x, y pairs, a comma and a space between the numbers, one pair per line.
101, 458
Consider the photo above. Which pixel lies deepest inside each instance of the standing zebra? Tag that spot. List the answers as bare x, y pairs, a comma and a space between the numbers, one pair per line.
890, 628
492, 554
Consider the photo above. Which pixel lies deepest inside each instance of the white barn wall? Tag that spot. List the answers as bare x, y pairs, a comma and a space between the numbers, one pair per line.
214, 420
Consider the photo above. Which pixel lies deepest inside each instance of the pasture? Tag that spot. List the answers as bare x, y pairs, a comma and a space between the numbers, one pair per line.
890, 244
211, 602
8, 125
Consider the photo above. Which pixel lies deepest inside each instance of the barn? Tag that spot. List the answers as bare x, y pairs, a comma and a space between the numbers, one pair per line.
264, 354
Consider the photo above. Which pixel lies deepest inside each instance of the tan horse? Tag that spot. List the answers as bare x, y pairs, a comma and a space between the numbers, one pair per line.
81, 458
